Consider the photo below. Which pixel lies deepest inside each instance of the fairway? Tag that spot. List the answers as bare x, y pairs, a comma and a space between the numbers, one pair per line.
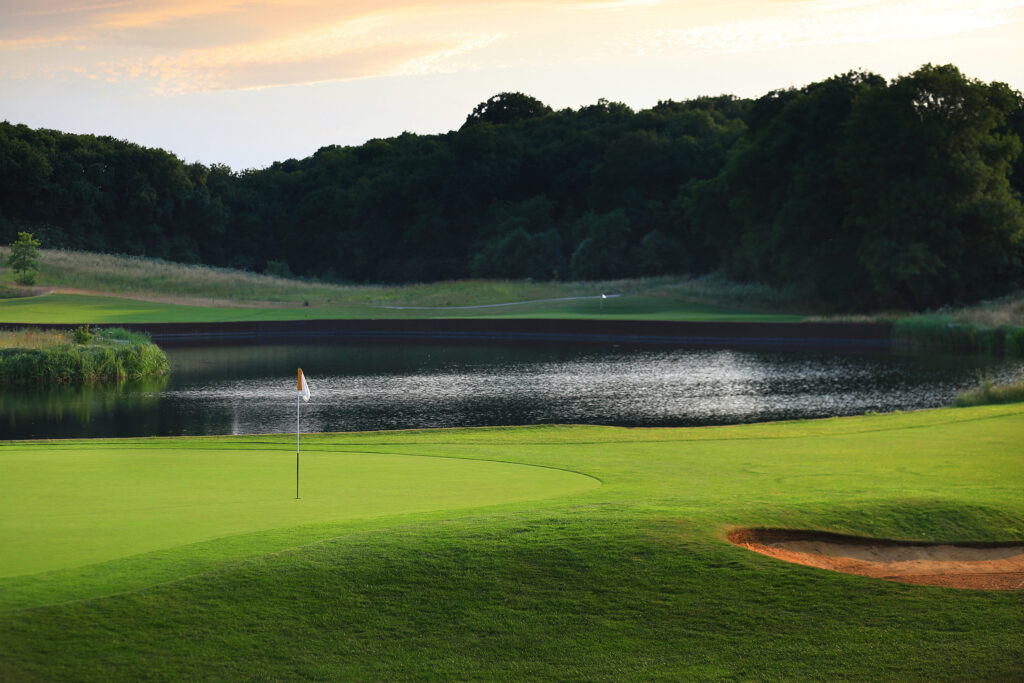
495, 553
81, 308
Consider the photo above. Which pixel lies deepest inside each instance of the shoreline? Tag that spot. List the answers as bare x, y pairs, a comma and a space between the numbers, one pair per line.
876, 336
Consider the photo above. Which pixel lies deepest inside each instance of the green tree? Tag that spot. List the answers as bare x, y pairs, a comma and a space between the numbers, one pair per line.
604, 252
507, 107
658, 254
784, 191
927, 163
24, 259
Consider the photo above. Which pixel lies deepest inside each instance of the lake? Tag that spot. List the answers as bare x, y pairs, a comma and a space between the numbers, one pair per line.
246, 389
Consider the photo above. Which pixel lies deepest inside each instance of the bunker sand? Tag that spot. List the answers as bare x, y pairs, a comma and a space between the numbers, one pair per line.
991, 566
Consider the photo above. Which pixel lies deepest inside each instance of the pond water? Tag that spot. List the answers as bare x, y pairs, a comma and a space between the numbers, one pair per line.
222, 389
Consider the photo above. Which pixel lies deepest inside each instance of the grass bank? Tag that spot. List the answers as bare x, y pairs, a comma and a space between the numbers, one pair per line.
55, 357
533, 553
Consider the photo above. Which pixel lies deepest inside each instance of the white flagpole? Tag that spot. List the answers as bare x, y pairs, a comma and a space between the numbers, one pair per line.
297, 445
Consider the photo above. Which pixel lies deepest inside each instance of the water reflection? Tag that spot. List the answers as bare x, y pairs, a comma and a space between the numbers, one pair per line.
250, 389
80, 411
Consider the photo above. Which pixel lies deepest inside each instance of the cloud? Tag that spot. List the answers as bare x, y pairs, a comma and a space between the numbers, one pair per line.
827, 22
185, 45
176, 46
22, 43
173, 76
140, 15
349, 50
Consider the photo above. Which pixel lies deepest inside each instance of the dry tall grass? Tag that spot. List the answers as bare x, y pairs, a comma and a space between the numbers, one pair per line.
33, 339
1007, 310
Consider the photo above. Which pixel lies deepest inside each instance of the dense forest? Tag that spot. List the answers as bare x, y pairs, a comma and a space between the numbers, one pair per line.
862, 192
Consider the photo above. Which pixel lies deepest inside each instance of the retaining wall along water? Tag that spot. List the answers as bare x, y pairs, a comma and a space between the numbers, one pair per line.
657, 332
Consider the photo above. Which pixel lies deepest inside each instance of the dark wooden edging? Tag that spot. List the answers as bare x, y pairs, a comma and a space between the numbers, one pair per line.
837, 335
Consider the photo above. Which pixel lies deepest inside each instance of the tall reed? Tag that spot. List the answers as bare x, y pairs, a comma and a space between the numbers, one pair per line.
943, 332
48, 357
988, 392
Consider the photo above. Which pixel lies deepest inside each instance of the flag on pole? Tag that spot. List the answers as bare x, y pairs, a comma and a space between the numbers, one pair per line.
302, 393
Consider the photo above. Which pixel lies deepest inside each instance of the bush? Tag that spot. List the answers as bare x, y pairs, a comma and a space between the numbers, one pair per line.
120, 334
82, 335
278, 269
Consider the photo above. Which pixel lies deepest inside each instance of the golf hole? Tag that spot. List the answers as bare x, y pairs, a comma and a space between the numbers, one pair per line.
987, 566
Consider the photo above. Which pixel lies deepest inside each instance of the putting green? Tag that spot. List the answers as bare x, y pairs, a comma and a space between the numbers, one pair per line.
81, 503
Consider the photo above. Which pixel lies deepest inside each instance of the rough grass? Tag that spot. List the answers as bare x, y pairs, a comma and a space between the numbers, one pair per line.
988, 392
33, 338
1005, 311
631, 580
15, 291
716, 289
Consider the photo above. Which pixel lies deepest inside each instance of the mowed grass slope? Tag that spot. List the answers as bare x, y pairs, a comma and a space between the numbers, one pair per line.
629, 580
105, 289
77, 308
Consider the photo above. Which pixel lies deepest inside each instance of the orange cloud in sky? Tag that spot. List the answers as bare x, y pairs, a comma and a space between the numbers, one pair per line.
259, 66
180, 46
829, 22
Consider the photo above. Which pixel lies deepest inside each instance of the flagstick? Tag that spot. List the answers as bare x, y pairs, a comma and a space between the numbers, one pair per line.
296, 446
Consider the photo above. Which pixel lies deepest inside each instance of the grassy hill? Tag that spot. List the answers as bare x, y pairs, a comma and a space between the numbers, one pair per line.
99, 288
533, 553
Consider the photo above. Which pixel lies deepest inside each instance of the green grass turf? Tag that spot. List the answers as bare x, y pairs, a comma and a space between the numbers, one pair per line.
82, 503
79, 308
629, 580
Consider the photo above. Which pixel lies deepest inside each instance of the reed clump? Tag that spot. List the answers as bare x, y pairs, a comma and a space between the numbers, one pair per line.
52, 357
989, 392
946, 332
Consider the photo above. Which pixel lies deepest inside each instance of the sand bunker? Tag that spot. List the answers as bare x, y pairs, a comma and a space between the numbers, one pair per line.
988, 566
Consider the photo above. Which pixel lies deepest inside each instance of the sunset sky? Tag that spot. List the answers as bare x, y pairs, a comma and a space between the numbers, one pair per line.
248, 82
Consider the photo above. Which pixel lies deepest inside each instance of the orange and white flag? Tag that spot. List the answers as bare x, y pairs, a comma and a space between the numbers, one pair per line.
303, 387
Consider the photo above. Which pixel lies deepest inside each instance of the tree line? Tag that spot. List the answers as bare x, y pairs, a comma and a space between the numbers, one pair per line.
862, 192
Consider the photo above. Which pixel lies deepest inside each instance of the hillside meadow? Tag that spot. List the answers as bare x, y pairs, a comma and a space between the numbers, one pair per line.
80, 287
539, 553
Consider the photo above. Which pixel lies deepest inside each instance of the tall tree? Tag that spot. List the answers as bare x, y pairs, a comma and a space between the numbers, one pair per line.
24, 258
927, 163
507, 107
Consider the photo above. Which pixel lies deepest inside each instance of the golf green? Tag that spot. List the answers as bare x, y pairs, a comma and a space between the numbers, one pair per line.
78, 503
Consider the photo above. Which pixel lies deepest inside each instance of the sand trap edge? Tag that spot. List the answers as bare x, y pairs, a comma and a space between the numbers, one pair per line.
1004, 573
